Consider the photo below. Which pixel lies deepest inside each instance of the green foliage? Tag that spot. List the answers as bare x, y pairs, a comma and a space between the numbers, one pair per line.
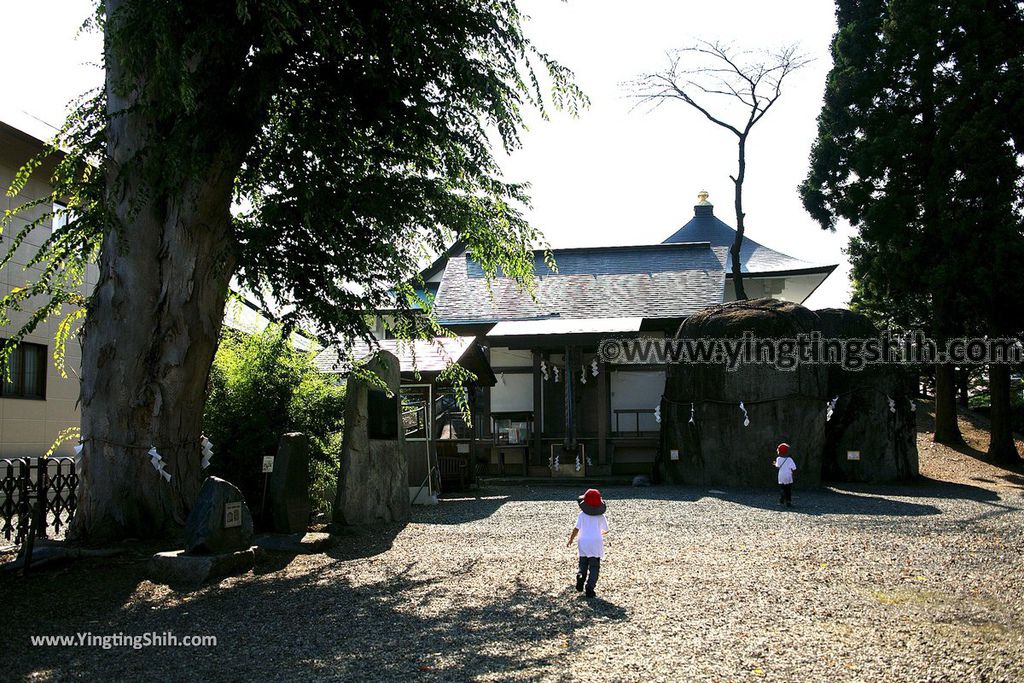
918, 146
358, 136
260, 388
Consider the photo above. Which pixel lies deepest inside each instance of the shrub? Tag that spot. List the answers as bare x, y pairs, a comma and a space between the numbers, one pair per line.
260, 388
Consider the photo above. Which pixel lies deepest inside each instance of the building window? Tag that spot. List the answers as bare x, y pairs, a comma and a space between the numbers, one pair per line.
25, 373
60, 217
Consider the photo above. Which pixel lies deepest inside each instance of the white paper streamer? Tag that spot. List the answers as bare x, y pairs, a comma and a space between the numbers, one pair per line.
78, 456
746, 417
158, 463
207, 446
892, 404
913, 406
583, 375
556, 373
578, 465
657, 413
830, 408
593, 367
544, 370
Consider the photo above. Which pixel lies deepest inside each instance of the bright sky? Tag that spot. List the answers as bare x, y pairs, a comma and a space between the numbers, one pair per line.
619, 174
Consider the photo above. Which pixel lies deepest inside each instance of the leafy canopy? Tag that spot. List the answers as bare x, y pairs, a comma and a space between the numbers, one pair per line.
359, 135
918, 146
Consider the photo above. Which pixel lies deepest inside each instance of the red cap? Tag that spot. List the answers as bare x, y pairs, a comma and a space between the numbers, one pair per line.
592, 497
783, 448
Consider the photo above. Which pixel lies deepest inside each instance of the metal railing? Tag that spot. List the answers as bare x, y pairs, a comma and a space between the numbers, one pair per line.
37, 496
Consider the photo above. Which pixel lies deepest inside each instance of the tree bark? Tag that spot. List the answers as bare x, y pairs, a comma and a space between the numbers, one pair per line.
963, 376
1001, 447
149, 338
737, 270
947, 430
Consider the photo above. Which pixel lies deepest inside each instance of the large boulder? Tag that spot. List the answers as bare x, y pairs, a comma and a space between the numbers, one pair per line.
205, 530
883, 437
289, 485
373, 478
717, 448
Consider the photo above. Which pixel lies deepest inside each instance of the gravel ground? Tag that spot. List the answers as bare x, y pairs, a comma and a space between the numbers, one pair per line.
919, 583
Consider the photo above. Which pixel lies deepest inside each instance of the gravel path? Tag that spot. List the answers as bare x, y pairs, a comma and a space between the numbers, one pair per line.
917, 583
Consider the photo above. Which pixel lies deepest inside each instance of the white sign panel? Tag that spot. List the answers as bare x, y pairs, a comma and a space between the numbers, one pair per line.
232, 515
268, 463
674, 454
853, 455
463, 448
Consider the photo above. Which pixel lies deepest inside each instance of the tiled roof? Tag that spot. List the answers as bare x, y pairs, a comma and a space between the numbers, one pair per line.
754, 257
423, 355
650, 281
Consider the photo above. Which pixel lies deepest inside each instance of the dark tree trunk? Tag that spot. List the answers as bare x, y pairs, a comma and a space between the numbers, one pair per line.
149, 340
737, 271
963, 376
947, 430
1001, 447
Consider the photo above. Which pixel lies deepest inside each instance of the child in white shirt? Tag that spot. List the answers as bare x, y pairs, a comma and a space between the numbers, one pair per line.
786, 466
591, 526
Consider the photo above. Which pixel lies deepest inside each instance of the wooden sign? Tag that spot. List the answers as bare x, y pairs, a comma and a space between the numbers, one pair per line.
268, 464
232, 515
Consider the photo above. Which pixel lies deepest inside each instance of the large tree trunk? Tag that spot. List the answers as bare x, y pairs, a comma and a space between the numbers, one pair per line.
149, 340
1001, 447
963, 378
947, 430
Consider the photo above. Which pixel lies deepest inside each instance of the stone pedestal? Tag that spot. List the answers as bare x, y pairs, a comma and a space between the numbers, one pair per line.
289, 485
373, 480
178, 568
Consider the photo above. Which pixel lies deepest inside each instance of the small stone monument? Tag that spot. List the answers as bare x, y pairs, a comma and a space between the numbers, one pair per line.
218, 539
373, 480
289, 485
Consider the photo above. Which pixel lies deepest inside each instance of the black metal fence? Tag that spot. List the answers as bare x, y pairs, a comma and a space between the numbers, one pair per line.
36, 494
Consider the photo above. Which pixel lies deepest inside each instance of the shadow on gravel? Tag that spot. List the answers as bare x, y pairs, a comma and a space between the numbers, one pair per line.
828, 502
471, 507
315, 625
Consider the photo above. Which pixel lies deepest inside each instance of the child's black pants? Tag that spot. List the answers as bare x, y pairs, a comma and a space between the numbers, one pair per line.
787, 494
590, 568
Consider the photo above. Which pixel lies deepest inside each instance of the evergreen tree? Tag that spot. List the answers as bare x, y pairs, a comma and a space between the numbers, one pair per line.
916, 149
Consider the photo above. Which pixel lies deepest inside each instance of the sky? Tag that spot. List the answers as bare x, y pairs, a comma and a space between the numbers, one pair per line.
619, 173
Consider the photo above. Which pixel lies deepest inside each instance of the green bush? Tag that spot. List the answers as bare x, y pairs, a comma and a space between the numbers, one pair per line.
260, 388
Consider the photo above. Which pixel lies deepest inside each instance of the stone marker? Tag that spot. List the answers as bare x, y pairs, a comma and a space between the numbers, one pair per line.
373, 480
205, 533
289, 485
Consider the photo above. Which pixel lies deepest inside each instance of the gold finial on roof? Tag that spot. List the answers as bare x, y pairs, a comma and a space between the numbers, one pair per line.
702, 197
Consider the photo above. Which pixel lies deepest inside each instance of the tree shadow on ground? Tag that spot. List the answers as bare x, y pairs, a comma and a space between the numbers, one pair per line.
461, 508
825, 501
320, 623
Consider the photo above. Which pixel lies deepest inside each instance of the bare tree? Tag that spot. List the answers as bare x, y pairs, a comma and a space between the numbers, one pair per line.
750, 81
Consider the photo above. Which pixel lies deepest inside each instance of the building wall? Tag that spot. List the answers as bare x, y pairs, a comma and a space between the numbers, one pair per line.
28, 427
795, 288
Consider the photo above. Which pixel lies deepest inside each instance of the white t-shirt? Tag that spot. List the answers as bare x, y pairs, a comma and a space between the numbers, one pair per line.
591, 542
786, 467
